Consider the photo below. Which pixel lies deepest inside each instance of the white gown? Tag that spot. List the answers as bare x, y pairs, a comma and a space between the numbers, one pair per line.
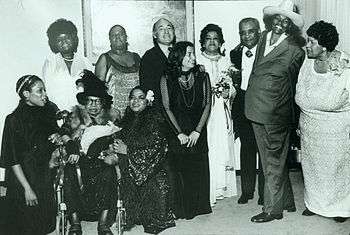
60, 84
325, 139
222, 163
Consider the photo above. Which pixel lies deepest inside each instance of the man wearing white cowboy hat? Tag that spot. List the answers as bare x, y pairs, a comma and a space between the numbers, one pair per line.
269, 103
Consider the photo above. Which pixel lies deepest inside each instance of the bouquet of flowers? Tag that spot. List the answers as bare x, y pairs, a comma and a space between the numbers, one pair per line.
220, 86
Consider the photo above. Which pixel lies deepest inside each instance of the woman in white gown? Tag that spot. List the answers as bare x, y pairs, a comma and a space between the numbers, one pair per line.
219, 127
322, 93
62, 68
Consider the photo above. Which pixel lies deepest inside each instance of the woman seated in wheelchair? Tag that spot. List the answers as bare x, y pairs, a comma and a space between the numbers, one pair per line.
145, 184
93, 119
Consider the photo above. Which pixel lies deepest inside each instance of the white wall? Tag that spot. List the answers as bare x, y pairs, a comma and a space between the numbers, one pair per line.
23, 41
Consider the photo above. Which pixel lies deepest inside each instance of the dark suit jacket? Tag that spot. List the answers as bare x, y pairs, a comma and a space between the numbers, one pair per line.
152, 67
237, 112
269, 98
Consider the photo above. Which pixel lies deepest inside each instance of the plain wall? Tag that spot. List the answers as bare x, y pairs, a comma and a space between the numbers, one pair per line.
23, 41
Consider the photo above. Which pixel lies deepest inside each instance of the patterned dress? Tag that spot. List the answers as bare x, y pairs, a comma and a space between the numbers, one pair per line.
145, 184
120, 80
325, 138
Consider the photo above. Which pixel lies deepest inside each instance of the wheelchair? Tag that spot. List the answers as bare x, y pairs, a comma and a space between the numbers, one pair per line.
62, 217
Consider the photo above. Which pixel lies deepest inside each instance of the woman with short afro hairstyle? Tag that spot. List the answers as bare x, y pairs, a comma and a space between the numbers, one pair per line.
62, 68
322, 93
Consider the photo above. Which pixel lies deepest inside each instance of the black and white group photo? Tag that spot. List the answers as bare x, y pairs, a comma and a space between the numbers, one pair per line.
175, 117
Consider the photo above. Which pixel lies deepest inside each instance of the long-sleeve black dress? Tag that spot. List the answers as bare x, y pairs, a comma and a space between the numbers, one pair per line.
25, 142
145, 185
187, 110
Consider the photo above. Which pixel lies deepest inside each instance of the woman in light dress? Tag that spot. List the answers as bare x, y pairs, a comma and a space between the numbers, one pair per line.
220, 134
119, 68
322, 93
62, 68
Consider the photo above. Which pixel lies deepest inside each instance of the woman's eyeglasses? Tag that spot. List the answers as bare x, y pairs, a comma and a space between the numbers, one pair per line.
91, 101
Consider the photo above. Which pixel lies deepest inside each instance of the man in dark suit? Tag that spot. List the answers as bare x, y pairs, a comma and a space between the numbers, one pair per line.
154, 61
269, 103
242, 57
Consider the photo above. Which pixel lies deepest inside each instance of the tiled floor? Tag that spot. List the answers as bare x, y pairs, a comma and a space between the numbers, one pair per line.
230, 218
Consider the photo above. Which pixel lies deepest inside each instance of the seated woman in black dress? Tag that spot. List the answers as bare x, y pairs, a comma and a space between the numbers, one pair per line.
144, 183
186, 97
96, 199
25, 153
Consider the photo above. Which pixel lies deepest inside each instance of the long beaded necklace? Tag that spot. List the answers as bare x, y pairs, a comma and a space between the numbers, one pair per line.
186, 85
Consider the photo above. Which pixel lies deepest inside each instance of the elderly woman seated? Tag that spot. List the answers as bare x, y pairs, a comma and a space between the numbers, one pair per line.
96, 198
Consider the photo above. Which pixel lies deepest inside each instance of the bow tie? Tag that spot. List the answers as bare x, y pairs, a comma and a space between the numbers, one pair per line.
249, 53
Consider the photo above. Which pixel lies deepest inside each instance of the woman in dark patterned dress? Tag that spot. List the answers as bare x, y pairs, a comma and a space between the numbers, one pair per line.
25, 153
145, 185
186, 97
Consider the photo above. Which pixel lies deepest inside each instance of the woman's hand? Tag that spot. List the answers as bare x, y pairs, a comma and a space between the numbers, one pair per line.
193, 137
73, 158
183, 138
30, 196
225, 93
55, 139
111, 159
118, 146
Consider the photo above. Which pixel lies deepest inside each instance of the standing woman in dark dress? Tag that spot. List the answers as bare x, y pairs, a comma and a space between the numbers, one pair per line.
25, 153
186, 99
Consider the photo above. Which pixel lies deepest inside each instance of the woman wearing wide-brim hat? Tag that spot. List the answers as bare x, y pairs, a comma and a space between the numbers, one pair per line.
93, 119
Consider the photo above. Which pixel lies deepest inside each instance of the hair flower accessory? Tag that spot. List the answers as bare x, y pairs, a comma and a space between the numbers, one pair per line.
150, 96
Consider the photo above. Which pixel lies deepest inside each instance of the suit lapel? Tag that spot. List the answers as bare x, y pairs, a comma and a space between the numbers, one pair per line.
282, 47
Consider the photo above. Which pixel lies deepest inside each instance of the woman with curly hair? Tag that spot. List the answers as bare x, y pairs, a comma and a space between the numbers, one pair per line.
186, 98
62, 68
219, 127
322, 93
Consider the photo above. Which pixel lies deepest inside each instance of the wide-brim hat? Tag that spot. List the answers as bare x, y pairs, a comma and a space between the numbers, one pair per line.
285, 8
93, 86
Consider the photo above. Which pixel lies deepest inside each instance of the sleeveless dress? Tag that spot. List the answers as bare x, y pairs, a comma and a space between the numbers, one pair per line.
120, 80
325, 139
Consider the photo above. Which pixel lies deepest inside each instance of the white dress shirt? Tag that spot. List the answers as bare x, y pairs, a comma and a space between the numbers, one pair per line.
247, 65
268, 47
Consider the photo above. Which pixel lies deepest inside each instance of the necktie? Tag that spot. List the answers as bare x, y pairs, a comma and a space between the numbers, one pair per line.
249, 53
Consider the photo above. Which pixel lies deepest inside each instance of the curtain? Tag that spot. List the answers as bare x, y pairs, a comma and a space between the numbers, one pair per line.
332, 11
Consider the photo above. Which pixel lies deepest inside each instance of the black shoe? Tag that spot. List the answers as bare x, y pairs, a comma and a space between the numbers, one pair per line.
266, 217
306, 212
261, 201
290, 209
339, 219
244, 199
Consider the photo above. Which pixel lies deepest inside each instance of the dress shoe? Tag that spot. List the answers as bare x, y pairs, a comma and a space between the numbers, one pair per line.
261, 201
266, 217
244, 199
339, 219
306, 212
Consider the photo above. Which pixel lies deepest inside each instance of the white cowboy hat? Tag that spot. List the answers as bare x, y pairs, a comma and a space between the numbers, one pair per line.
285, 8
